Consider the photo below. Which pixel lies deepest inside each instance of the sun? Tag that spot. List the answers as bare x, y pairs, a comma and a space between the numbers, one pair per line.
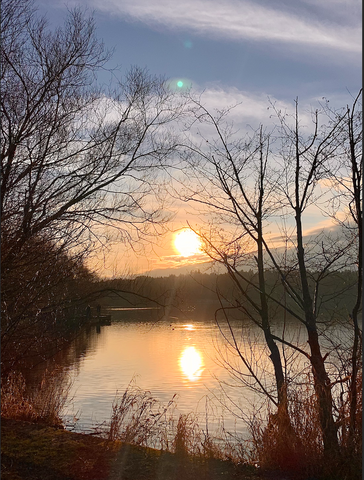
187, 243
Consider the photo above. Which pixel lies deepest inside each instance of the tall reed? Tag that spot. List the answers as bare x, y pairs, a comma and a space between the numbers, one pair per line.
44, 403
137, 417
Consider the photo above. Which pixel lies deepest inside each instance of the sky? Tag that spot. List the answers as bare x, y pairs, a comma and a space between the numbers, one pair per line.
235, 51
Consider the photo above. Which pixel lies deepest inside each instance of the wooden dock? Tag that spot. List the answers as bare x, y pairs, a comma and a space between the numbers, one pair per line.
101, 320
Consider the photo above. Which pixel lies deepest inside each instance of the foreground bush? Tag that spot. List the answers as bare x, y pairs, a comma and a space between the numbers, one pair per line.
297, 448
44, 404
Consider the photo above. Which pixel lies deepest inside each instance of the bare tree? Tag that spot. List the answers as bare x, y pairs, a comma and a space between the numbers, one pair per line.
234, 181
245, 190
76, 159
71, 156
303, 167
346, 209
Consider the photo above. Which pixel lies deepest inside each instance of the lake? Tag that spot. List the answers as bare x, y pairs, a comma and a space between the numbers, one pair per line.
180, 355
165, 357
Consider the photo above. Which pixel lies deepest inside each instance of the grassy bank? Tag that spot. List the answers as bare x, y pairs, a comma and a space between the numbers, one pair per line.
35, 444
36, 452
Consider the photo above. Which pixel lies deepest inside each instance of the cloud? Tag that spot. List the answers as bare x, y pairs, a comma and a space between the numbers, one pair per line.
301, 23
207, 267
175, 260
246, 107
247, 111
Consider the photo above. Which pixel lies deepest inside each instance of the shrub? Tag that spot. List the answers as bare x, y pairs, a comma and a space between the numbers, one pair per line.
44, 404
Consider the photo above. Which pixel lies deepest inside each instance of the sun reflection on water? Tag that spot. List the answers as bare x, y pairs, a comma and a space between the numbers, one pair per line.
189, 327
191, 363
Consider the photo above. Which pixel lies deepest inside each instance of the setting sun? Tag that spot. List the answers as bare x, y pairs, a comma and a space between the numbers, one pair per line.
187, 243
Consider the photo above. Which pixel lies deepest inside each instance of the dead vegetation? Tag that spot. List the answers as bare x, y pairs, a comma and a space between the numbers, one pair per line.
139, 419
44, 404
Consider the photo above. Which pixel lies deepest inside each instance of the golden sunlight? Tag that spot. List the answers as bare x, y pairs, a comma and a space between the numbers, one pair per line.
189, 327
191, 363
187, 243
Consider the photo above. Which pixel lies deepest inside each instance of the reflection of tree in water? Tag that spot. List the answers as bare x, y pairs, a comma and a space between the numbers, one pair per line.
61, 362
79, 344
87, 340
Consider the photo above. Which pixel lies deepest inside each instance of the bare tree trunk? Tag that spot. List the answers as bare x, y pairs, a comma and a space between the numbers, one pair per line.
275, 355
321, 380
356, 163
324, 395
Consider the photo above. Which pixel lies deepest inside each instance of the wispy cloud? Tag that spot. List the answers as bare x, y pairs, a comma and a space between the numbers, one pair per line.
246, 107
247, 111
178, 260
300, 23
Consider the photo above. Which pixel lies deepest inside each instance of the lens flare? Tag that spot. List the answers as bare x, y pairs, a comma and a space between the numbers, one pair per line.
188, 44
179, 84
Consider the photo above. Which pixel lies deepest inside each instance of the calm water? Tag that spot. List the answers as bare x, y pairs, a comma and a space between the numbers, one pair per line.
166, 358
181, 356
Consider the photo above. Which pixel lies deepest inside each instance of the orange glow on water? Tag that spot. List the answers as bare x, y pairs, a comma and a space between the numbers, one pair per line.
189, 327
191, 363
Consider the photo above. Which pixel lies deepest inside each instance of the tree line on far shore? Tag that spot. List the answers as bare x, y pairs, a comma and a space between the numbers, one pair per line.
196, 292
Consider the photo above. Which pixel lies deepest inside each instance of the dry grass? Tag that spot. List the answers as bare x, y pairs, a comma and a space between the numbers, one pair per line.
187, 436
190, 438
297, 449
139, 418
44, 404
291, 448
